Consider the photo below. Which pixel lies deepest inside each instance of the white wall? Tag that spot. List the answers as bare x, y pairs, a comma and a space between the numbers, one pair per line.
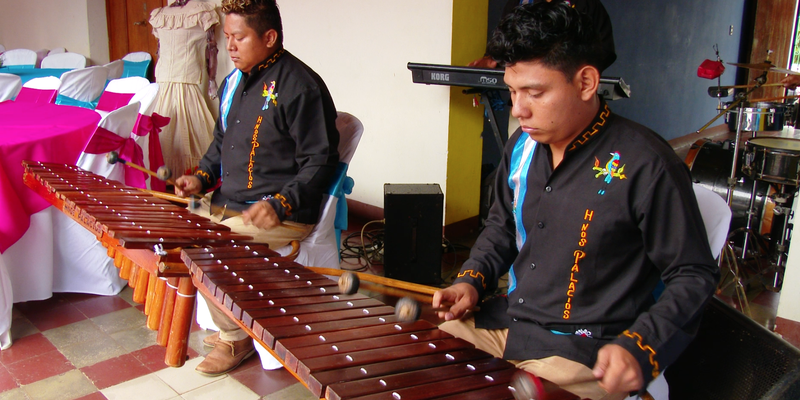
361, 48
78, 25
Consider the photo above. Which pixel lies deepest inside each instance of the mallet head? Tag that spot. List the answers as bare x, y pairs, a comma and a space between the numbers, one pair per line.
113, 157
163, 173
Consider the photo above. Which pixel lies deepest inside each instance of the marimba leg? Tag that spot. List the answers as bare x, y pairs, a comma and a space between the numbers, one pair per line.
159, 290
167, 312
181, 323
125, 270
140, 290
151, 290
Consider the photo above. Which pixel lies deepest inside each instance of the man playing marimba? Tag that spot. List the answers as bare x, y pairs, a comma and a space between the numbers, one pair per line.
591, 211
274, 150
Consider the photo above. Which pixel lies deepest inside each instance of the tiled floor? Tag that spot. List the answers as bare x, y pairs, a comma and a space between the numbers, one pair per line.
76, 346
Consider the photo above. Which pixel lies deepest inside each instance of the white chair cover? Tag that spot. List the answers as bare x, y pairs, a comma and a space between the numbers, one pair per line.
716, 218
120, 122
84, 85
137, 56
127, 86
115, 69
64, 60
19, 57
44, 83
10, 86
320, 248
146, 97
40, 55
39, 90
131, 84
57, 50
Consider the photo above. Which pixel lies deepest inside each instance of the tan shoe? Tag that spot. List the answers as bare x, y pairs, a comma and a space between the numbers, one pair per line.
211, 340
226, 356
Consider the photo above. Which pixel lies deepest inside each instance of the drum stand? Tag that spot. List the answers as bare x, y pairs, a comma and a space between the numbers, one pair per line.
783, 209
728, 256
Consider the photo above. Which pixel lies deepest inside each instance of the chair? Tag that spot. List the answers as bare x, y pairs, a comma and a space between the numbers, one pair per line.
136, 64
82, 87
64, 60
717, 218
115, 69
146, 132
10, 86
320, 248
114, 134
40, 55
118, 93
40, 90
20, 58
57, 50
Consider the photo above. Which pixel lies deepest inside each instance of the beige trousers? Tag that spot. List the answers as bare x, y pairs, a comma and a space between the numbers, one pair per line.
558, 370
276, 238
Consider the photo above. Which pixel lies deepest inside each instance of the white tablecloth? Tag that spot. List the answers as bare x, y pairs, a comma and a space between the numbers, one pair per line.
54, 255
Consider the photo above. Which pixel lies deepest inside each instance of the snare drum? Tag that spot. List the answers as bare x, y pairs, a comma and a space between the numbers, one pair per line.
710, 164
761, 116
773, 160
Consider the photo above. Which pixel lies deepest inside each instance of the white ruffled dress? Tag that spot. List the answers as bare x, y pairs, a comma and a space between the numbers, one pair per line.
180, 70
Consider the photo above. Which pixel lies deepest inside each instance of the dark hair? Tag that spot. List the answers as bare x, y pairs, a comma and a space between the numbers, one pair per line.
261, 15
554, 34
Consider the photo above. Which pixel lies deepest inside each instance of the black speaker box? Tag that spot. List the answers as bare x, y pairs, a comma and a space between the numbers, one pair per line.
413, 232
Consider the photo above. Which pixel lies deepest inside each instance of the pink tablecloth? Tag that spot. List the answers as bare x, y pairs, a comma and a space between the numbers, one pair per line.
37, 132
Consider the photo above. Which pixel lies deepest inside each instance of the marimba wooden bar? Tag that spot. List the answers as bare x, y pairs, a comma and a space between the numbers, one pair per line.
130, 224
342, 346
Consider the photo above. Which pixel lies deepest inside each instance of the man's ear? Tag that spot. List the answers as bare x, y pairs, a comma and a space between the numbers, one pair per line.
587, 79
271, 38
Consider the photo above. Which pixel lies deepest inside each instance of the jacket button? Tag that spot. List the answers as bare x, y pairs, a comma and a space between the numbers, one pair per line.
520, 301
533, 266
244, 93
237, 121
540, 224
231, 147
515, 319
548, 189
227, 173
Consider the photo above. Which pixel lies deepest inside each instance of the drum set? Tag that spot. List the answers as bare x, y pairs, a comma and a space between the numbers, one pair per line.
758, 174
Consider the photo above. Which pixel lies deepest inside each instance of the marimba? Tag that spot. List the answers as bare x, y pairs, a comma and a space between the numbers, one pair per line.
138, 230
341, 346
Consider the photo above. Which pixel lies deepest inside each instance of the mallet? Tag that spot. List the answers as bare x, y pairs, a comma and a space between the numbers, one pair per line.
408, 309
163, 174
528, 386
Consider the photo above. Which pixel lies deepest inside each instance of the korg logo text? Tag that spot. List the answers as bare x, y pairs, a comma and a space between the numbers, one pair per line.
440, 76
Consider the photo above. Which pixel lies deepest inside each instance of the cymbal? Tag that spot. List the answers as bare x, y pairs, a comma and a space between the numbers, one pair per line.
761, 65
765, 66
784, 71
